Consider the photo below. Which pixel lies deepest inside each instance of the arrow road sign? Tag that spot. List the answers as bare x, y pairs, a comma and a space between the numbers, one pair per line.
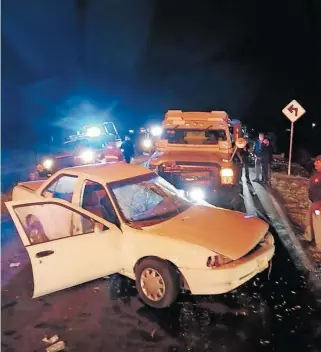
293, 111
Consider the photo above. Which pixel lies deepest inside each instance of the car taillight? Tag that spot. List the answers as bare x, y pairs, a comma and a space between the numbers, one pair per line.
217, 261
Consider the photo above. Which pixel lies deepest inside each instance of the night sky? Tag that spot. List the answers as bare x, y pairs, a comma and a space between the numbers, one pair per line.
65, 63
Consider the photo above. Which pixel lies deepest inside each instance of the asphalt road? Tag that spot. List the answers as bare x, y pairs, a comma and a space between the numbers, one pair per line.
274, 312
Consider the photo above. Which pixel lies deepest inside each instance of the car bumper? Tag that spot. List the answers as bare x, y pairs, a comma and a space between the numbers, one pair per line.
230, 276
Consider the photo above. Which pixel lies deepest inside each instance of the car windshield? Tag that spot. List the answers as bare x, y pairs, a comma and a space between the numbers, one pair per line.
148, 198
195, 137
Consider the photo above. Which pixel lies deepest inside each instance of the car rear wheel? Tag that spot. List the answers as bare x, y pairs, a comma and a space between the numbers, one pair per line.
157, 282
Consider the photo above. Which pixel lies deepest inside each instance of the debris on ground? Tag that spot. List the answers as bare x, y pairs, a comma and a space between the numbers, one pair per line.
59, 346
96, 289
51, 340
14, 265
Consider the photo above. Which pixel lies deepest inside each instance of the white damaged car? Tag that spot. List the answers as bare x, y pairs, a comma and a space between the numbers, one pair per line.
87, 222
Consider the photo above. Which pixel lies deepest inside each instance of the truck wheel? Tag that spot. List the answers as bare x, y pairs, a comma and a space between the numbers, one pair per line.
157, 283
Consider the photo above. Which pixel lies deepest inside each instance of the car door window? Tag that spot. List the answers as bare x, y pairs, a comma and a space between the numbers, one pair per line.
50, 221
96, 200
62, 188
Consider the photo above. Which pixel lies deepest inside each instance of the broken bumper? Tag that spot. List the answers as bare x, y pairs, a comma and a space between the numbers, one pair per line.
228, 277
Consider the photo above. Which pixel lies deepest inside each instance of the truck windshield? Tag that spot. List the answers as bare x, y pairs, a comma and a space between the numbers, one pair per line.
195, 137
148, 198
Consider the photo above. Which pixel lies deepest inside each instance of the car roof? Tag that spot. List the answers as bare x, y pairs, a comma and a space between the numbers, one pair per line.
108, 172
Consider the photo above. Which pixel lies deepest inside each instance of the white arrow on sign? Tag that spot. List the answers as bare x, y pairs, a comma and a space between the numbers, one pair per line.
293, 111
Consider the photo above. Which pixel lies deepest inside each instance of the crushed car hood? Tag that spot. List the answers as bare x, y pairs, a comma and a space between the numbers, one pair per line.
225, 232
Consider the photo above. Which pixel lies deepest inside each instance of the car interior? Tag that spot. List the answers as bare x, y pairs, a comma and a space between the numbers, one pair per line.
96, 200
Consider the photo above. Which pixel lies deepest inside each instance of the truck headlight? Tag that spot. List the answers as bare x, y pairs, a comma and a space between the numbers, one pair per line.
197, 194
156, 131
227, 176
87, 156
147, 143
48, 164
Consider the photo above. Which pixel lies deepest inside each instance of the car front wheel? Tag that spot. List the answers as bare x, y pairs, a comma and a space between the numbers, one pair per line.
157, 282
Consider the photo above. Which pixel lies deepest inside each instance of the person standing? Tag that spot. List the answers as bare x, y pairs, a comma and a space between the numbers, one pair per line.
245, 154
314, 198
266, 159
127, 148
258, 146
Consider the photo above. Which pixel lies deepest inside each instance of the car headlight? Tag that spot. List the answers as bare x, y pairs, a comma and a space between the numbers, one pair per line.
217, 260
147, 143
196, 194
156, 131
227, 176
48, 164
268, 238
87, 156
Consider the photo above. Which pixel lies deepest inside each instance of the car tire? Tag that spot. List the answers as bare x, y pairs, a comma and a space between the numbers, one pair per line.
157, 282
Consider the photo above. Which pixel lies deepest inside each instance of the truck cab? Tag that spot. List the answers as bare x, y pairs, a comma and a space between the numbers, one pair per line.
196, 153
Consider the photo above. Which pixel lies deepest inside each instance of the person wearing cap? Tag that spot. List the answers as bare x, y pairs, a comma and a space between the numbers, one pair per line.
314, 198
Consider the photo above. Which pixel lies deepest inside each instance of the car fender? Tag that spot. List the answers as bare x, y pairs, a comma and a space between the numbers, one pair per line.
138, 244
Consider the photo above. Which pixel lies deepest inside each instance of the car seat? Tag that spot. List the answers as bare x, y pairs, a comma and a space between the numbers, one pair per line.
92, 204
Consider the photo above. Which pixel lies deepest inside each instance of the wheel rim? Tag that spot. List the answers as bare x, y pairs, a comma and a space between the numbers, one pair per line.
152, 284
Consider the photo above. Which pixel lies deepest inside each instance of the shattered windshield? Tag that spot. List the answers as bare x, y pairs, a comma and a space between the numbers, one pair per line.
148, 198
195, 137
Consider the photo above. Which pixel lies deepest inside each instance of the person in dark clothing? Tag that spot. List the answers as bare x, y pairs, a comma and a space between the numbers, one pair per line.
314, 198
266, 159
245, 153
127, 148
315, 182
258, 146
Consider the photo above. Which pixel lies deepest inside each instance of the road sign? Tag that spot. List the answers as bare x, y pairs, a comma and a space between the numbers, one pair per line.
293, 111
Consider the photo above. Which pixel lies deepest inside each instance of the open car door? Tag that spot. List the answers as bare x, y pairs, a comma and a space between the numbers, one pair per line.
81, 248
